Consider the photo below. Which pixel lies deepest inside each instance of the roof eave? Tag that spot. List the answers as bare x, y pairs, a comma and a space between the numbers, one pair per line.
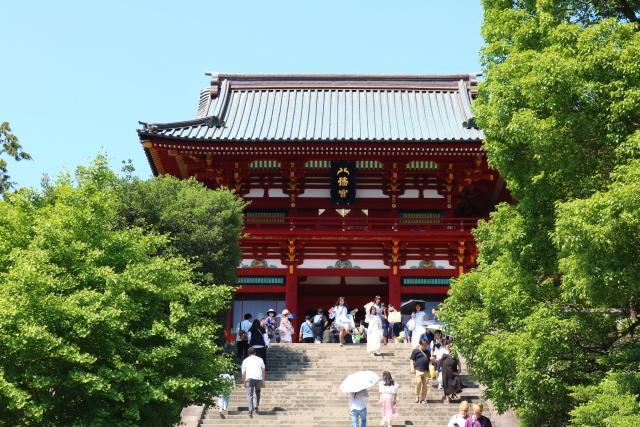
149, 135
147, 153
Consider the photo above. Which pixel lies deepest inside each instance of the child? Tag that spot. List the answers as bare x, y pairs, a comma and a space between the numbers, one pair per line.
227, 382
270, 324
356, 336
388, 398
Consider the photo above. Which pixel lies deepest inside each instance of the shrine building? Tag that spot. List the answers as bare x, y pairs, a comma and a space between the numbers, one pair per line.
358, 184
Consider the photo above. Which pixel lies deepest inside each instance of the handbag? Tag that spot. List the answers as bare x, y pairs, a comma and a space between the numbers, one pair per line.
242, 333
432, 371
411, 324
394, 317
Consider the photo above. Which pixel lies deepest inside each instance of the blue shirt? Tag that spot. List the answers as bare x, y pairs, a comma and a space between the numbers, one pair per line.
307, 331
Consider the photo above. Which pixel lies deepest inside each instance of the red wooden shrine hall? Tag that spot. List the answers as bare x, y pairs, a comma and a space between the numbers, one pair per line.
359, 184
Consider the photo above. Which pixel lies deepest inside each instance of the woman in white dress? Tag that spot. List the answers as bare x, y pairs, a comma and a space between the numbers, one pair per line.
374, 331
342, 321
419, 328
285, 328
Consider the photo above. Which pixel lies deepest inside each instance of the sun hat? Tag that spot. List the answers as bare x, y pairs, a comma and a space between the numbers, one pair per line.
285, 312
271, 310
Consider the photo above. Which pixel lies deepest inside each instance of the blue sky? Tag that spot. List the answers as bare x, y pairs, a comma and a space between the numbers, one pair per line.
78, 75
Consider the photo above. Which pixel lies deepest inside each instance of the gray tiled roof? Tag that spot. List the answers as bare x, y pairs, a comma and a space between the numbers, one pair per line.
322, 108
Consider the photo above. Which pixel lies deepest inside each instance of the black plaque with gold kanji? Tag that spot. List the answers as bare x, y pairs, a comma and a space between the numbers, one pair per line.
343, 182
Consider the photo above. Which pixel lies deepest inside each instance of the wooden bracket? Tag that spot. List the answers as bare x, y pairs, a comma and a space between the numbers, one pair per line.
461, 254
395, 252
292, 256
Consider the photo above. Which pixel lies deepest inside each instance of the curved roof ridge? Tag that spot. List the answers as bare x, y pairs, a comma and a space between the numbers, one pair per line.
322, 81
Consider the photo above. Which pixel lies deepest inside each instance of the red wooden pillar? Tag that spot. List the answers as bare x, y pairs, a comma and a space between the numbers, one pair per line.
227, 331
394, 276
394, 289
291, 300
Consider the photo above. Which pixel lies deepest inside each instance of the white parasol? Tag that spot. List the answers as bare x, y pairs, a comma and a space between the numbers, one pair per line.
435, 326
290, 316
358, 381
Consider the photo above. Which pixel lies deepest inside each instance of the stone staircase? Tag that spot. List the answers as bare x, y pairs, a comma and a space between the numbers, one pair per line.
302, 390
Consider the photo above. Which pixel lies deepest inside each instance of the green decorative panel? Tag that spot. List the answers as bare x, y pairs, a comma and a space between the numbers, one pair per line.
266, 216
426, 281
261, 280
264, 164
420, 217
369, 164
317, 164
422, 165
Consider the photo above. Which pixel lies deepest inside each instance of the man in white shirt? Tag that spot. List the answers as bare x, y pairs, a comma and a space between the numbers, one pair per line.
253, 377
358, 408
243, 336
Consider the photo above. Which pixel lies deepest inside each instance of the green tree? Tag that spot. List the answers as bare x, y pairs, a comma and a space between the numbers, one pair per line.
611, 403
99, 325
9, 145
560, 108
598, 240
201, 222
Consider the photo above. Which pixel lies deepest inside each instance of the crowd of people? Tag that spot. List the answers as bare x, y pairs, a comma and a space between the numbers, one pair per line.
431, 359
380, 324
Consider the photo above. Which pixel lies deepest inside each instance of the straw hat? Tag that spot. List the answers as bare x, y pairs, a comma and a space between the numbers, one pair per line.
285, 312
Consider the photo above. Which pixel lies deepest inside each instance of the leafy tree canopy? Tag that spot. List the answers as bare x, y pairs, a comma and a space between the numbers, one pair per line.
100, 324
201, 222
551, 308
9, 145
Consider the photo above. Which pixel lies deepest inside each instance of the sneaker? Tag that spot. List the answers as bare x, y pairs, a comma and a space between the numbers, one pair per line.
417, 400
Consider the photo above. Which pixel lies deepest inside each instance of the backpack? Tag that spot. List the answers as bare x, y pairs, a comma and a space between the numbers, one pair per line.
319, 322
242, 333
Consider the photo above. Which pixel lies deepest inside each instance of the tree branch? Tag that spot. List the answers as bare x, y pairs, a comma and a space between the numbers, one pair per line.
625, 8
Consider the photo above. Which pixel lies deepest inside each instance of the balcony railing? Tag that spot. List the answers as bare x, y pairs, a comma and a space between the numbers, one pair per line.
360, 224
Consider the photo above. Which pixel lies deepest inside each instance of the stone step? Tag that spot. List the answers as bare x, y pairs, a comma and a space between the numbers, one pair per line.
302, 389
